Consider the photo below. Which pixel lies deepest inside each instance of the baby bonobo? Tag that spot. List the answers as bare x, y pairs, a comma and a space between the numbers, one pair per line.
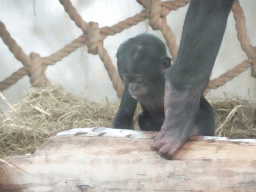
142, 62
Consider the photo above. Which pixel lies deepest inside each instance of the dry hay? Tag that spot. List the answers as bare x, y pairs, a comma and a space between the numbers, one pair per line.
46, 111
235, 118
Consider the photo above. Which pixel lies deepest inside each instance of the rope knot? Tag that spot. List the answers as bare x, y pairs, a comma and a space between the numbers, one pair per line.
93, 37
155, 18
37, 71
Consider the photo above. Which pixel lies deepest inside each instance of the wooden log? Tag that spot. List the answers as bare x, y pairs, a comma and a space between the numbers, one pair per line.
104, 159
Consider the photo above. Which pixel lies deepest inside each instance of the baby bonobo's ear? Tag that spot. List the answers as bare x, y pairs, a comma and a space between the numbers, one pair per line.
165, 63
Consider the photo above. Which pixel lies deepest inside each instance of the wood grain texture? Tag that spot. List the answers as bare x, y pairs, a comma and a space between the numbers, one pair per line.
115, 160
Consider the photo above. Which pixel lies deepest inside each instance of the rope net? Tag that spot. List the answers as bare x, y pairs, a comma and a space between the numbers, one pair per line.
93, 37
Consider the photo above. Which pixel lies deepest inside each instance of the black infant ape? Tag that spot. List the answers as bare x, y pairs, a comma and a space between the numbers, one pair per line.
142, 62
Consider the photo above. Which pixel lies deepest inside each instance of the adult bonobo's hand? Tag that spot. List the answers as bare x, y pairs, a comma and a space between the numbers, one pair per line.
187, 79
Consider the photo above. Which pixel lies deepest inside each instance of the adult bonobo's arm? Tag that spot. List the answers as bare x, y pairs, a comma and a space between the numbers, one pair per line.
187, 79
125, 113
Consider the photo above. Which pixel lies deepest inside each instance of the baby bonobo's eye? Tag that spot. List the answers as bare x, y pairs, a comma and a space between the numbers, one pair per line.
139, 79
126, 78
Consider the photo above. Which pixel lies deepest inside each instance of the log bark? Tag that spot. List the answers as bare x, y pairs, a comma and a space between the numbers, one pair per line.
104, 159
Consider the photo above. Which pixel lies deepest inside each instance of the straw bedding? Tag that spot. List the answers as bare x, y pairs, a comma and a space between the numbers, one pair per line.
46, 111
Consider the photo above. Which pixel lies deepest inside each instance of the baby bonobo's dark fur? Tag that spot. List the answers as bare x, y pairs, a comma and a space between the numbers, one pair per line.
142, 62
